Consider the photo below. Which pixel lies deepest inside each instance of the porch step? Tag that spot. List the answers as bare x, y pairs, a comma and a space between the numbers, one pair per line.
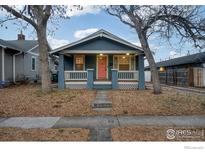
102, 105
102, 86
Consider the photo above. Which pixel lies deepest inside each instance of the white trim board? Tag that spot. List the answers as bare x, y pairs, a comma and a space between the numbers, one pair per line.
100, 51
29, 51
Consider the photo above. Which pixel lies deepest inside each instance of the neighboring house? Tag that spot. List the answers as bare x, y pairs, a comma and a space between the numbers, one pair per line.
183, 71
100, 61
19, 60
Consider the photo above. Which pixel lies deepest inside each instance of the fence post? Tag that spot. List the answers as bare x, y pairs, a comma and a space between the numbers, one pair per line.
61, 77
114, 79
141, 85
90, 78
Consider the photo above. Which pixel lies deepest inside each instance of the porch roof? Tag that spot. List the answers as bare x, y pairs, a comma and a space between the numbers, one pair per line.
80, 45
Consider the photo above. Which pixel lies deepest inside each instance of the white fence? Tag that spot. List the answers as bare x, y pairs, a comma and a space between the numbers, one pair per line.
128, 75
147, 76
75, 75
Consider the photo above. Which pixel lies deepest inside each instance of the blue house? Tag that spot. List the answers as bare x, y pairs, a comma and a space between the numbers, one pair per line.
100, 61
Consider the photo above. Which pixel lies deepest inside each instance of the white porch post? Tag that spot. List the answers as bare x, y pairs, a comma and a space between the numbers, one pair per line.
3, 68
14, 68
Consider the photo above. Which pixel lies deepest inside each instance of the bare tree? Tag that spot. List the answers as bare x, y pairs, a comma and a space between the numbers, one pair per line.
38, 16
188, 22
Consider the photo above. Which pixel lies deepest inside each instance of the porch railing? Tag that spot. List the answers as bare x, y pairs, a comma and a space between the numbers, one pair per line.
75, 75
128, 75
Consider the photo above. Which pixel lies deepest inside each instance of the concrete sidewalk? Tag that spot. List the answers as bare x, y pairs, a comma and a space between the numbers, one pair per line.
100, 125
101, 121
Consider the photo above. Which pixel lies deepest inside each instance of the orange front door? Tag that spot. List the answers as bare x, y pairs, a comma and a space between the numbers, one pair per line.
102, 67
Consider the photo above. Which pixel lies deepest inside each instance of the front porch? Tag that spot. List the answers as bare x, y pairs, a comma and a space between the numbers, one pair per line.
94, 71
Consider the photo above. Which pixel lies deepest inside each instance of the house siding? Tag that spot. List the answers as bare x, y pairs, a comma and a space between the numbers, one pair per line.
101, 44
90, 63
28, 72
110, 66
19, 70
8, 64
68, 62
0, 64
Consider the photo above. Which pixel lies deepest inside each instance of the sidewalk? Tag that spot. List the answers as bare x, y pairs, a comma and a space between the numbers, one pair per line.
101, 121
100, 125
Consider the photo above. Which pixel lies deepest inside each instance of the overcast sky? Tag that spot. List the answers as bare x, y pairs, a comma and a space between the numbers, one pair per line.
91, 19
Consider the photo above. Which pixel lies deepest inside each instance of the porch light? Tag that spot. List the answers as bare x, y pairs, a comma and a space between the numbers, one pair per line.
161, 69
127, 54
101, 54
123, 57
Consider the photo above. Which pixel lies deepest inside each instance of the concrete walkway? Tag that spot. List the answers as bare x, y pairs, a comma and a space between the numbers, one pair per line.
101, 102
100, 125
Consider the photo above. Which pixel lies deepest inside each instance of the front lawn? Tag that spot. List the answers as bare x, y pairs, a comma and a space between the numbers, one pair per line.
27, 100
146, 103
64, 134
157, 133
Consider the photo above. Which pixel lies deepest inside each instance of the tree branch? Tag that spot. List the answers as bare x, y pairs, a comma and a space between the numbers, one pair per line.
19, 15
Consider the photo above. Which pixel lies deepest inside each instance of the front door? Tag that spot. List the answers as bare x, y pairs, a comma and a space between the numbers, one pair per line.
102, 67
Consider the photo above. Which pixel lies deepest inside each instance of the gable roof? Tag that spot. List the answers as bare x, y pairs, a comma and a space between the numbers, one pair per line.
101, 33
6, 44
30, 46
24, 45
190, 59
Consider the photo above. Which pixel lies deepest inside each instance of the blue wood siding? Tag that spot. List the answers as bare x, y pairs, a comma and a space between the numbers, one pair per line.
68, 62
101, 44
110, 66
136, 63
90, 63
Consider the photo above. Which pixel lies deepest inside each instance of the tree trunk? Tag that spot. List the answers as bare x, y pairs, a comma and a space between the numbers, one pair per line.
152, 64
43, 51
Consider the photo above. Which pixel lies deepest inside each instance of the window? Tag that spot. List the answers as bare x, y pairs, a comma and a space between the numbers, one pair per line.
79, 62
33, 63
124, 62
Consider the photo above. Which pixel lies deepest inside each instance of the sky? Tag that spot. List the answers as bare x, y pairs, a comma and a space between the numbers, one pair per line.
91, 19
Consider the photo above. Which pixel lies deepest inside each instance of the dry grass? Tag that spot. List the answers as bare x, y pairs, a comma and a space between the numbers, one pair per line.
146, 103
27, 100
154, 133
66, 134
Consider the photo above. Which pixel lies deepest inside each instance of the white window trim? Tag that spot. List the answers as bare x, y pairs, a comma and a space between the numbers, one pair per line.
33, 57
83, 62
118, 64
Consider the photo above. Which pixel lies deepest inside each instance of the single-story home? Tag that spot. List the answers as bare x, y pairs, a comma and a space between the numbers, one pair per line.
19, 60
183, 71
100, 61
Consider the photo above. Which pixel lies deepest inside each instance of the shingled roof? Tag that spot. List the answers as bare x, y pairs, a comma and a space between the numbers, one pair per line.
190, 59
99, 34
20, 45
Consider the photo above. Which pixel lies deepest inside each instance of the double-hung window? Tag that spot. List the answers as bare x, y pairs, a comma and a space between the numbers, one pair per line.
33, 63
79, 62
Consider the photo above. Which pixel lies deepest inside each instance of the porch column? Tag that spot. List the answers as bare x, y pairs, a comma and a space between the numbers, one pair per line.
90, 78
61, 77
141, 84
114, 79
